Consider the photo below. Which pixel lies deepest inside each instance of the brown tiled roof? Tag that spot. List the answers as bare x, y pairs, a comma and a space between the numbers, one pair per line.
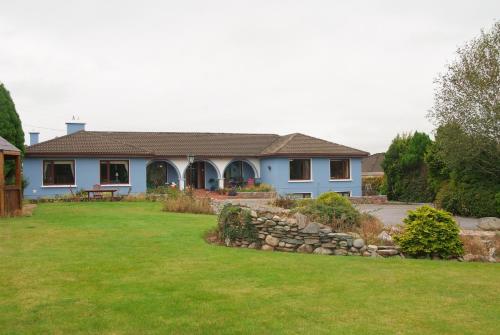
373, 163
151, 144
300, 144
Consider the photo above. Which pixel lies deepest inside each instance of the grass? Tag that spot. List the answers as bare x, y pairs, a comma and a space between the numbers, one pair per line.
129, 268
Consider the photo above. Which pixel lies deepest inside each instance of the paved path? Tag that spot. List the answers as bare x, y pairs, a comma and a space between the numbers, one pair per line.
393, 214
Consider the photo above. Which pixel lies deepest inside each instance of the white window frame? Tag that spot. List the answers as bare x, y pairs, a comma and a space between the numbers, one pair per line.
292, 193
58, 186
340, 159
301, 180
115, 185
340, 192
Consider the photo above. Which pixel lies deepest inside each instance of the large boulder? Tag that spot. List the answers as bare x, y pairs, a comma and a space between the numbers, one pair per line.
312, 228
272, 241
358, 243
267, 247
305, 248
322, 251
302, 220
489, 223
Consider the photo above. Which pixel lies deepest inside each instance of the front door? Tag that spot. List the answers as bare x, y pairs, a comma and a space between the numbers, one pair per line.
195, 175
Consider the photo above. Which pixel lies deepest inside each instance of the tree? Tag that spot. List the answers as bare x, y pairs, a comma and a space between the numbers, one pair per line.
10, 124
405, 169
468, 94
464, 162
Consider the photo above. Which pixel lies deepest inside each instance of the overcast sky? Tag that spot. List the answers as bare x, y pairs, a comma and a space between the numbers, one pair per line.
355, 73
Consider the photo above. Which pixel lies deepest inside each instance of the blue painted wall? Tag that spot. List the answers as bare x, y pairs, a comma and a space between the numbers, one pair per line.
275, 171
87, 175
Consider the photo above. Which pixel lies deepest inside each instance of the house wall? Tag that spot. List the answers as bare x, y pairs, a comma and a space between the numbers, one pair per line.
86, 176
276, 171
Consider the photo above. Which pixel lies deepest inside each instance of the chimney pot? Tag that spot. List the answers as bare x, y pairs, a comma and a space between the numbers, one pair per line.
34, 138
74, 126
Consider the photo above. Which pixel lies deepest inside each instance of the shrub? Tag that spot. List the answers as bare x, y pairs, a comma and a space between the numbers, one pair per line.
428, 232
370, 228
185, 203
468, 200
373, 185
257, 188
474, 245
168, 190
331, 209
284, 202
235, 222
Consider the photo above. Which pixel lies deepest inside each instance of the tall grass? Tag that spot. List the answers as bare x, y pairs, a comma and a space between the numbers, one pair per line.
186, 203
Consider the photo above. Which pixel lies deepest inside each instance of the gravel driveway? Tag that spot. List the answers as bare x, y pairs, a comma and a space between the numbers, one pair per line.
393, 214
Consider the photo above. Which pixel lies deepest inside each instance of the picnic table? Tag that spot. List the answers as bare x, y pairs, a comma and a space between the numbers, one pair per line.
100, 192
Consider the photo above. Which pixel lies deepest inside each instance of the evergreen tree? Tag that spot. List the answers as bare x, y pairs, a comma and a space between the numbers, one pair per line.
10, 123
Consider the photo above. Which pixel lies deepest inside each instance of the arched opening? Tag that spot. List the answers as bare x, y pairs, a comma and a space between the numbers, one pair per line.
202, 174
161, 173
239, 173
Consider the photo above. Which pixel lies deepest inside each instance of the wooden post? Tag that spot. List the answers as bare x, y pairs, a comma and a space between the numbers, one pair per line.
19, 181
2, 185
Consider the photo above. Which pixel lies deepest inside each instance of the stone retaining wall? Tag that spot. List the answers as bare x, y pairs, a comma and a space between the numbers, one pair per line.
293, 233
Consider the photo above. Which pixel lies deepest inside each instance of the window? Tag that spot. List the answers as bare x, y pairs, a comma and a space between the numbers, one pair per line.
300, 169
114, 172
58, 172
340, 169
344, 193
300, 195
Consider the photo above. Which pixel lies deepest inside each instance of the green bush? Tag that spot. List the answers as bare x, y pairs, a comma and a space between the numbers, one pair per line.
331, 209
373, 185
235, 222
468, 200
428, 232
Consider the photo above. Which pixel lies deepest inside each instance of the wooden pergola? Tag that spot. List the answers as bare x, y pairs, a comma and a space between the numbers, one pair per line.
11, 196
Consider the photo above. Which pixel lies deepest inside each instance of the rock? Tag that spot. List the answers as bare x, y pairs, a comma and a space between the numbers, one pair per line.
267, 247
253, 214
340, 235
489, 223
270, 223
292, 221
311, 228
358, 243
322, 251
366, 254
252, 245
343, 244
276, 218
372, 247
326, 230
329, 245
384, 236
272, 241
262, 236
305, 249
340, 252
291, 241
289, 245
227, 241
311, 240
302, 220
281, 244
388, 252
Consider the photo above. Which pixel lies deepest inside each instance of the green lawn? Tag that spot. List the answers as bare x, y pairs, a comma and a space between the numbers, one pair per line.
128, 268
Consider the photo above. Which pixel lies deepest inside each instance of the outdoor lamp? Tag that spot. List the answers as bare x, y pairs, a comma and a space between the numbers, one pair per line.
190, 158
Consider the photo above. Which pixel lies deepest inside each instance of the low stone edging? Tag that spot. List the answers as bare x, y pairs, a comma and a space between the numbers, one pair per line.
295, 234
369, 199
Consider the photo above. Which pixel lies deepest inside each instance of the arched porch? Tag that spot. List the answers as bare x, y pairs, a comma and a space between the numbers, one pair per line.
161, 173
202, 174
239, 172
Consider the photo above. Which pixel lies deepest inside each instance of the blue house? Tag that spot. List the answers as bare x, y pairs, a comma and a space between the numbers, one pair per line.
295, 164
